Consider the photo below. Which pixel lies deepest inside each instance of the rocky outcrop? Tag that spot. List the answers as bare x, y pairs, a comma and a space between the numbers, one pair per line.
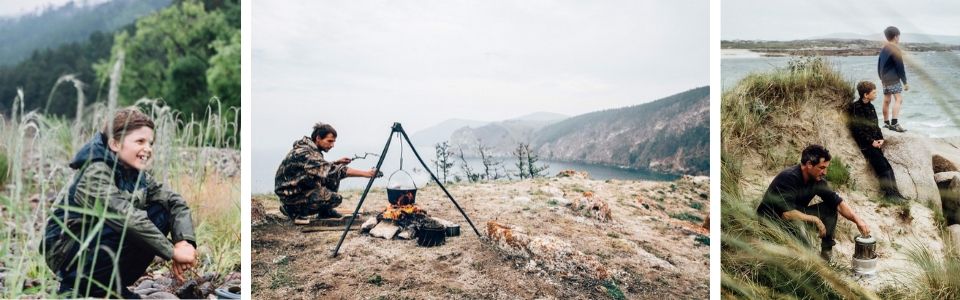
910, 155
592, 207
546, 252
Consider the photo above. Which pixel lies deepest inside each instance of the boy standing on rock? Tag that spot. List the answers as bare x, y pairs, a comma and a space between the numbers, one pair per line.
864, 128
789, 195
892, 73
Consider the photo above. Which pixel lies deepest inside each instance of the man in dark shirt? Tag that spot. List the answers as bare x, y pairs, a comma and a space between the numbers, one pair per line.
789, 195
863, 127
892, 73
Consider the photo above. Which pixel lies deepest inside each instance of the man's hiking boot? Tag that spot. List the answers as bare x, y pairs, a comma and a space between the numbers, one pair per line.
329, 214
897, 128
825, 254
887, 126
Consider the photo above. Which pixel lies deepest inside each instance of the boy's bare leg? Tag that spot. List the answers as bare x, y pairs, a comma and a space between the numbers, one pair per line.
896, 106
886, 104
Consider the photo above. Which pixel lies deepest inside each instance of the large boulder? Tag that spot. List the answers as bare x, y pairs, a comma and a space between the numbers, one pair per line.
911, 158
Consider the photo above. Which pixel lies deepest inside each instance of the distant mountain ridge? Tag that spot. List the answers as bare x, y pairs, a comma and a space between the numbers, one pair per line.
907, 37
668, 135
441, 132
68, 23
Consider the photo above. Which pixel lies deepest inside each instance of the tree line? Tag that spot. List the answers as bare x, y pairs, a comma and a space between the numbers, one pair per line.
186, 54
526, 160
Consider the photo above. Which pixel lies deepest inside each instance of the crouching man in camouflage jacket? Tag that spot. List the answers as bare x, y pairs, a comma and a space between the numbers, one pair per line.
306, 183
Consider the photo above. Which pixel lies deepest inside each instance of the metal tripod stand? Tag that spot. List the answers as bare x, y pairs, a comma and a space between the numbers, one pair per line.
398, 129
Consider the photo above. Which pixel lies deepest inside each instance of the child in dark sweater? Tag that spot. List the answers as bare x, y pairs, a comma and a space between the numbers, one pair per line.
892, 73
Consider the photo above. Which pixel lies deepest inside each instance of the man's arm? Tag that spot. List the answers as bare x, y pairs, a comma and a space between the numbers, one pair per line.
797, 215
848, 213
351, 172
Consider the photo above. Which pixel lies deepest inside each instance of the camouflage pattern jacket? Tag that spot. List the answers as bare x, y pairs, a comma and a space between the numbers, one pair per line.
305, 169
101, 182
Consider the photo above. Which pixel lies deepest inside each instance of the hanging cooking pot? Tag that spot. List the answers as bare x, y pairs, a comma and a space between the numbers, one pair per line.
401, 190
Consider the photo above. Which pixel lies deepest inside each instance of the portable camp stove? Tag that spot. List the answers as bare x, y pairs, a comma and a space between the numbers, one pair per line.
401, 194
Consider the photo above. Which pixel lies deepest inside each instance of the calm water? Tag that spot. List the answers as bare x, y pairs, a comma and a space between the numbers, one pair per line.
921, 112
266, 161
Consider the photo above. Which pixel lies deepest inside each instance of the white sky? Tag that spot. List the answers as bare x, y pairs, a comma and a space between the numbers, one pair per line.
361, 65
12, 8
790, 20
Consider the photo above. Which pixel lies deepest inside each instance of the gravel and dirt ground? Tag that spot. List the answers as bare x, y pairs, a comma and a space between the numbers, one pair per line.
653, 247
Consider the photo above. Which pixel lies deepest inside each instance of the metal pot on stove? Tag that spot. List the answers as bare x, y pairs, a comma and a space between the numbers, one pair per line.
865, 256
401, 189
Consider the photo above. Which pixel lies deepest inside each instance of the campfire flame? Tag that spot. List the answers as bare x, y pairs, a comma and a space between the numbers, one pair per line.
399, 212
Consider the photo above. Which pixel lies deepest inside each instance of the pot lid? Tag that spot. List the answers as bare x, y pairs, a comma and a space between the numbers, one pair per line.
866, 239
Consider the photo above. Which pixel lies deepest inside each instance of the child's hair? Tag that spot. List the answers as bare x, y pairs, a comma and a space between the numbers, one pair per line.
865, 87
126, 120
891, 33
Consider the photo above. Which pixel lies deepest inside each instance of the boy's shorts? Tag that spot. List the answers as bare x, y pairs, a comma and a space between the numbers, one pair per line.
893, 89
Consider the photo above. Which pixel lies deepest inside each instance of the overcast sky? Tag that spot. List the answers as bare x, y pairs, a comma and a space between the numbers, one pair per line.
790, 20
12, 8
361, 65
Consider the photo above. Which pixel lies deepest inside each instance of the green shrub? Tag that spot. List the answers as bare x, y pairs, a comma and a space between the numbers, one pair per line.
838, 173
613, 290
685, 216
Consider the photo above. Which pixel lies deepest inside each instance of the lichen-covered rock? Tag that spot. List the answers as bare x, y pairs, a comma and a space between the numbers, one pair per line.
547, 252
591, 206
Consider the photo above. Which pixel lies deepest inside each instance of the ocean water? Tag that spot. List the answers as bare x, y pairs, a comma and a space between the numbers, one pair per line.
266, 160
931, 107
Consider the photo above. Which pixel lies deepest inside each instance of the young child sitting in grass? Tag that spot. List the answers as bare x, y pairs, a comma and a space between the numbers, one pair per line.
113, 218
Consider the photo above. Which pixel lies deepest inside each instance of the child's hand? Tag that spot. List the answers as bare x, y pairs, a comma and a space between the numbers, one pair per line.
184, 258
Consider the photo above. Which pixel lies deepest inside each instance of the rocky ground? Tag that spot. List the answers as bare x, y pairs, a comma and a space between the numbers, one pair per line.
162, 285
551, 238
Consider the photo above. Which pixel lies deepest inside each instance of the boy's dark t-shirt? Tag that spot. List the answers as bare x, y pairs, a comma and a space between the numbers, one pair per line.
788, 192
863, 124
890, 65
